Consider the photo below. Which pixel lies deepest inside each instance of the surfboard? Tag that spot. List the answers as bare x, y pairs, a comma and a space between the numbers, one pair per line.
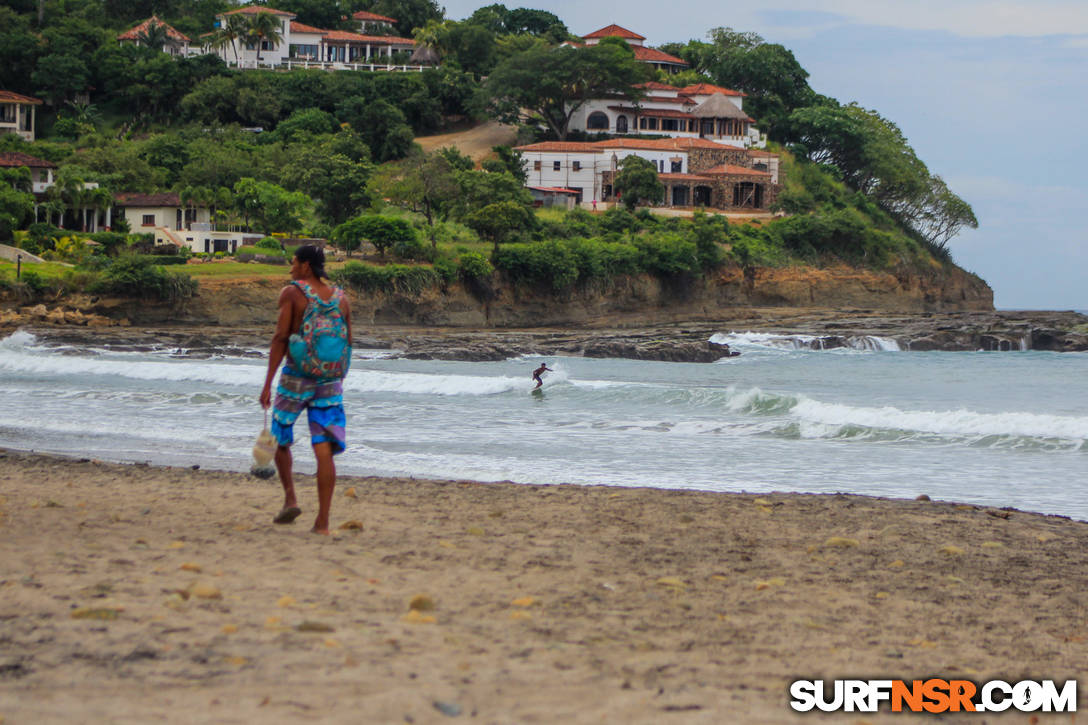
537, 391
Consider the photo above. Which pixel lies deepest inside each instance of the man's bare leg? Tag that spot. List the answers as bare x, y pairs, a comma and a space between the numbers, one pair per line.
326, 483
285, 466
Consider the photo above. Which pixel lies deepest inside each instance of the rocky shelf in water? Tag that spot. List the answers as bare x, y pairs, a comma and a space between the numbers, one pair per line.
679, 342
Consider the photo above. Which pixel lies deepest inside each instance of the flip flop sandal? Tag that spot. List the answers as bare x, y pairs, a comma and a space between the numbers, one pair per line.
287, 515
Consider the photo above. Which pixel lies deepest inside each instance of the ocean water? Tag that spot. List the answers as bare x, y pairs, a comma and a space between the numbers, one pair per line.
993, 428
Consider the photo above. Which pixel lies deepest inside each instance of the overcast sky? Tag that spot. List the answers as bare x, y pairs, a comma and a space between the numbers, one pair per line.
992, 95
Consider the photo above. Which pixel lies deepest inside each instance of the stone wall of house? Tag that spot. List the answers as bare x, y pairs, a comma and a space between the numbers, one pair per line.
700, 160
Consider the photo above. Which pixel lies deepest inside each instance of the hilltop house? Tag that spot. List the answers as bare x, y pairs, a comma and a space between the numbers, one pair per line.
41, 171
172, 222
305, 46
658, 59
17, 114
696, 172
174, 42
702, 111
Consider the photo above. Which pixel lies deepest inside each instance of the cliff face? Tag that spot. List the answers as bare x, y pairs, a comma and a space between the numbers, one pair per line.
643, 299
627, 300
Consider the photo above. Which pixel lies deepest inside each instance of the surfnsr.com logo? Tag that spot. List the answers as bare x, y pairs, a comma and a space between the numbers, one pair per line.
933, 695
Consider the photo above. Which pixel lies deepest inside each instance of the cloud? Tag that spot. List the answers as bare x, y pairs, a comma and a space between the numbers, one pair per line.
962, 17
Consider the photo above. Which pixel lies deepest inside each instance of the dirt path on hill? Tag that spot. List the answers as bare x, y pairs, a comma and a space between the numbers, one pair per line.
475, 142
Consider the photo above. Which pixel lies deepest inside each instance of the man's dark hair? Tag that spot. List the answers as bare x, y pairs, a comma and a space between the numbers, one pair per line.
315, 256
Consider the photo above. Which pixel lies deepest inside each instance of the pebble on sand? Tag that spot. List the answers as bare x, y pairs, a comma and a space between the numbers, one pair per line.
421, 603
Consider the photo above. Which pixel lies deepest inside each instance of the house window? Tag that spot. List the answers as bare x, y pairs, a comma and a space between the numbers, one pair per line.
7, 113
265, 45
621, 124
597, 121
661, 167
536, 165
148, 220
670, 124
576, 166
651, 123
556, 165
677, 167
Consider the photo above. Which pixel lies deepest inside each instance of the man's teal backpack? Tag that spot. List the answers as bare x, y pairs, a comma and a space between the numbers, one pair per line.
321, 349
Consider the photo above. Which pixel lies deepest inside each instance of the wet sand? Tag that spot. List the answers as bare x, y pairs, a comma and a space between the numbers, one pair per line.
135, 594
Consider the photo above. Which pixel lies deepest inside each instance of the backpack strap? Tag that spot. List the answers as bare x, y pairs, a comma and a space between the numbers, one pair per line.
313, 297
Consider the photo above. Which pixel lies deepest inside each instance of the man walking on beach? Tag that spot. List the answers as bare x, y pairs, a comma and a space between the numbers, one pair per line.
321, 396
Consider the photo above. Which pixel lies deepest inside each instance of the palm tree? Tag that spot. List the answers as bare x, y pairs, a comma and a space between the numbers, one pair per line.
153, 35
234, 29
99, 199
264, 26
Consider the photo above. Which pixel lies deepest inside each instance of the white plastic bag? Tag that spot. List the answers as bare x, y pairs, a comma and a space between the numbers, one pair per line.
264, 451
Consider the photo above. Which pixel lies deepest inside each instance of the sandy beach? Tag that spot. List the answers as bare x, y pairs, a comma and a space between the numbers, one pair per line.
134, 594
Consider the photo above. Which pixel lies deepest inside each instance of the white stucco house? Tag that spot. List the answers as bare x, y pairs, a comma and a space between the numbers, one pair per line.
18, 114
175, 42
702, 111
696, 172
305, 46
651, 56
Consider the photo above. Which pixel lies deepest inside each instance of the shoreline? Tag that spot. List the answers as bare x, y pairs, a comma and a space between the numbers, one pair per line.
678, 341
134, 592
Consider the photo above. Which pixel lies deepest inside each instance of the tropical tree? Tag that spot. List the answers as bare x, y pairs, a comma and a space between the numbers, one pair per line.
381, 231
423, 183
637, 181
154, 35
553, 83
263, 26
499, 222
232, 31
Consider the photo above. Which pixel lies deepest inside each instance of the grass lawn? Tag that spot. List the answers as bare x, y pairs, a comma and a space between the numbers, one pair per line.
234, 269
45, 269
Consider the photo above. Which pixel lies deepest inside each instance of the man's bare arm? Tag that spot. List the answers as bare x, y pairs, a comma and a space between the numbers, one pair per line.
278, 349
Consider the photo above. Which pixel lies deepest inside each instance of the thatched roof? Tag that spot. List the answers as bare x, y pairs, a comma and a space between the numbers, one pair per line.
718, 106
424, 55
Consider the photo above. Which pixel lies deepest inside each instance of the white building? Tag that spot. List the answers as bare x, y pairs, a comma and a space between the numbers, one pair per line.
695, 171
701, 111
658, 59
304, 46
174, 43
41, 171
17, 114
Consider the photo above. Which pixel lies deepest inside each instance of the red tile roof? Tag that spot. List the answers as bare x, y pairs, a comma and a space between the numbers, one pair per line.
646, 144
14, 159
553, 189
664, 144
372, 39
683, 177
732, 170
137, 199
135, 33
561, 146
254, 9
364, 15
300, 28
707, 89
655, 86
614, 31
652, 55
12, 97
653, 112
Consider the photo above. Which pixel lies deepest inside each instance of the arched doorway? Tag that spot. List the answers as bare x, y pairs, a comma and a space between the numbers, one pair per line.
702, 196
621, 124
679, 196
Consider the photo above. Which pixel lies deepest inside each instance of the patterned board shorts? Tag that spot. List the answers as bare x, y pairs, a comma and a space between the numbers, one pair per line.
324, 405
